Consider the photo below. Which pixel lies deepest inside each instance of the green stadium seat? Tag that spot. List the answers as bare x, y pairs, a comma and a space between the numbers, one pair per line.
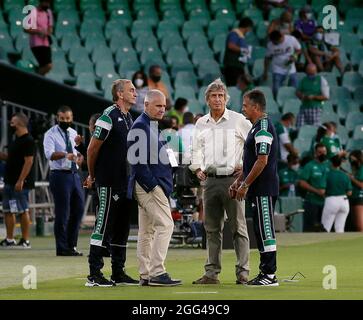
70, 15
354, 144
176, 53
122, 16
216, 27
271, 106
254, 14
95, 5
350, 41
345, 5
289, 205
117, 42
352, 80
170, 5
199, 16
165, 28
226, 15
105, 67
356, 56
346, 106
169, 42
60, 72
285, 93
13, 5
6, 42
330, 78
181, 65
146, 41
149, 17
107, 81
155, 60
266, 91
195, 107
175, 16
302, 145
77, 53
257, 53
83, 66
191, 28
261, 30
101, 53
329, 117
307, 132
21, 41
196, 41
358, 132
360, 69
129, 64
117, 4
186, 92
15, 28
358, 95
242, 5
185, 78
318, 5
338, 94
125, 53
63, 27
25, 65
258, 67
219, 43
201, 54
149, 54
343, 134
275, 13
190, 5
355, 14
140, 28
210, 67
353, 119
220, 4
87, 82
59, 5
201, 95
93, 41
113, 28
328, 106
292, 105
235, 102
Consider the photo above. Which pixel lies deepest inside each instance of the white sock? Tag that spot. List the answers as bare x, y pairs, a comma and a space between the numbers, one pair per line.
271, 276
10, 240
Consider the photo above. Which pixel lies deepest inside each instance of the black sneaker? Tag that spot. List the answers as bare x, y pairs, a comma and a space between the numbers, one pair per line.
98, 281
124, 279
7, 243
164, 280
143, 282
263, 280
25, 244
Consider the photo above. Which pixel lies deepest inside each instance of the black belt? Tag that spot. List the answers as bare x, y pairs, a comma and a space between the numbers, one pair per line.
64, 171
219, 176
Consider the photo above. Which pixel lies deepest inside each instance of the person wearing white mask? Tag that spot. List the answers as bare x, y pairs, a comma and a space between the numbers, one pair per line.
139, 79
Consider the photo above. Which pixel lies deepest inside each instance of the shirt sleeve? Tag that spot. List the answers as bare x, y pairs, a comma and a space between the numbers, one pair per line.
269, 50
197, 155
48, 144
234, 38
51, 19
325, 88
263, 142
103, 127
349, 185
244, 127
305, 173
296, 43
29, 149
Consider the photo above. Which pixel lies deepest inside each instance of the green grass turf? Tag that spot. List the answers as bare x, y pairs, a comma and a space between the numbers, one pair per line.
64, 277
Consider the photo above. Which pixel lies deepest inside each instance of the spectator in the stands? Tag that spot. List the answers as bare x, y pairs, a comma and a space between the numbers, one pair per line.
175, 124
267, 5
140, 81
171, 136
40, 32
186, 134
154, 82
324, 55
237, 52
282, 24
313, 90
306, 25
244, 83
282, 52
288, 176
312, 179
356, 162
301, 63
283, 133
180, 107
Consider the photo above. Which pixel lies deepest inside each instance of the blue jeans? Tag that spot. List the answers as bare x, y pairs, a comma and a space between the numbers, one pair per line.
14, 201
279, 79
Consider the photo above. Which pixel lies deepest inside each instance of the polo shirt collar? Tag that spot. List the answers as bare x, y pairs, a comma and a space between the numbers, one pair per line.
224, 116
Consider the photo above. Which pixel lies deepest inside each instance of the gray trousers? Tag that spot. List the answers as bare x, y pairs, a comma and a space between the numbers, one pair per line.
217, 201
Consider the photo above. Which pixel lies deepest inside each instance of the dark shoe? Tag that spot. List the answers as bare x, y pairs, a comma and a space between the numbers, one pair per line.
143, 282
98, 281
164, 280
242, 279
76, 253
69, 253
7, 243
124, 279
206, 280
24, 244
263, 280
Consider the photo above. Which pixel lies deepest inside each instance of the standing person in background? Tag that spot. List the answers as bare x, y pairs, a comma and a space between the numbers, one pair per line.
313, 180
155, 82
65, 183
283, 24
336, 205
140, 81
258, 183
19, 178
356, 161
40, 36
282, 53
186, 134
180, 106
288, 177
108, 169
237, 52
306, 25
79, 140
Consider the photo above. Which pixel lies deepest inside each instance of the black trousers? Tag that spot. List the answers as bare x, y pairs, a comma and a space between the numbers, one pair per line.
112, 229
263, 221
231, 75
312, 216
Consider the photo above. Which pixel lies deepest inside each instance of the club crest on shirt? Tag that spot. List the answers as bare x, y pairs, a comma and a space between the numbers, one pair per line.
119, 119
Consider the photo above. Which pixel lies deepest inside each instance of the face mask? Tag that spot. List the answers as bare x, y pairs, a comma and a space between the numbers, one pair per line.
155, 78
322, 157
309, 15
319, 36
186, 109
295, 167
64, 125
139, 83
354, 163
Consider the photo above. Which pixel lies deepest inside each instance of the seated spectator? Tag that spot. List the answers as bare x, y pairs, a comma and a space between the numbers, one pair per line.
237, 52
324, 55
325, 135
312, 180
180, 107
154, 82
336, 204
283, 133
312, 91
244, 83
186, 134
282, 52
139, 79
288, 176
283, 24
306, 25
356, 162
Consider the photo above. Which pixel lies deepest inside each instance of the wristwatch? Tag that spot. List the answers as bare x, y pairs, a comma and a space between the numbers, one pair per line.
244, 185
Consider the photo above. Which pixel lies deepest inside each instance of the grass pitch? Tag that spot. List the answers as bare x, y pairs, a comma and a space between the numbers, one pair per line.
63, 278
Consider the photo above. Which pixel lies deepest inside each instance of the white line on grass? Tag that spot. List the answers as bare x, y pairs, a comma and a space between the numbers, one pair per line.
197, 292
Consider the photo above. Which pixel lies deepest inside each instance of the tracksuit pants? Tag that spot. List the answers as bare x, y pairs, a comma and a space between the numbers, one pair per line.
68, 197
111, 228
263, 222
336, 210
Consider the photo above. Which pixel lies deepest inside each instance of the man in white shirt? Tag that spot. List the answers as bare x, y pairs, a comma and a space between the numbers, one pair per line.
217, 150
282, 53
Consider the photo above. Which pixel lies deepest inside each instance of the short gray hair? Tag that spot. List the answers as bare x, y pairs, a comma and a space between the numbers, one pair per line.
118, 86
215, 86
151, 94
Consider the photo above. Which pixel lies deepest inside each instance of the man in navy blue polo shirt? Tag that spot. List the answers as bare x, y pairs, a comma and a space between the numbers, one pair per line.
259, 184
107, 166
